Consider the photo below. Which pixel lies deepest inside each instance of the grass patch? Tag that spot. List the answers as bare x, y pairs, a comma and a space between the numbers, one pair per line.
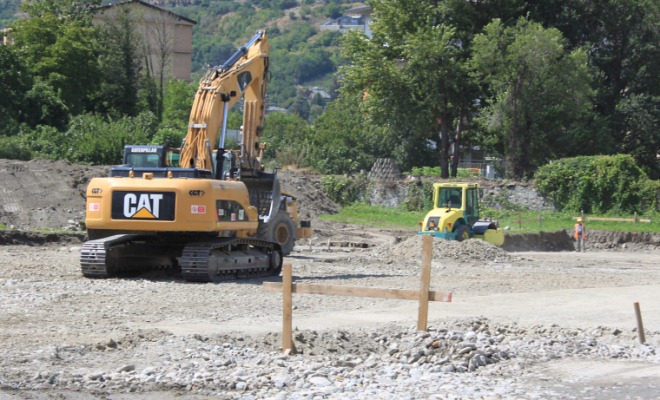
535, 221
377, 216
518, 222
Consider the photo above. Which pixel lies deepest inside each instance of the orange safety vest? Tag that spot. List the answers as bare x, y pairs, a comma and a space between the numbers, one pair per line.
579, 229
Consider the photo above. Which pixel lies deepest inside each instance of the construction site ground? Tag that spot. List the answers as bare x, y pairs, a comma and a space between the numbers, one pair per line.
65, 336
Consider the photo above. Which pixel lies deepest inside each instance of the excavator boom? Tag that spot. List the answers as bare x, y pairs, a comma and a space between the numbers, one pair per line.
242, 76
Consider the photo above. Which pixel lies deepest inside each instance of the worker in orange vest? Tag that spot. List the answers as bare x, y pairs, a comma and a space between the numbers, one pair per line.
580, 233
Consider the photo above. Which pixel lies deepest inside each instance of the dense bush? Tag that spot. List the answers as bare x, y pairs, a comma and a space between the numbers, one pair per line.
597, 184
15, 148
420, 197
91, 139
345, 191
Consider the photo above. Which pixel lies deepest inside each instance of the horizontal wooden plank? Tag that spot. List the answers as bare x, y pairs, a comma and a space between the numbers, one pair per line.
357, 291
617, 219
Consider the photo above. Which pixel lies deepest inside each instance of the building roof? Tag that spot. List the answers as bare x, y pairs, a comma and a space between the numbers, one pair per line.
144, 3
359, 10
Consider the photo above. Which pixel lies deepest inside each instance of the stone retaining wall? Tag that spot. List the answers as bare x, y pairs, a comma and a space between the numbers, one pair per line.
507, 195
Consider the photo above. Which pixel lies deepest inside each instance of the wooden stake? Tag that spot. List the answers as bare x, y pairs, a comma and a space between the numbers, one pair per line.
287, 311
640, 325
427, 256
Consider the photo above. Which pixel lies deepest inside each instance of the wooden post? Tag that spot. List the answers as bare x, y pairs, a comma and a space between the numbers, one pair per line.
640, 325
635, 218
519, 219
287, 311
427, 256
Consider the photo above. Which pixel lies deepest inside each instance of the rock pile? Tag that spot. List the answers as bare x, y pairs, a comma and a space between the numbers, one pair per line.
463, 359
385, 169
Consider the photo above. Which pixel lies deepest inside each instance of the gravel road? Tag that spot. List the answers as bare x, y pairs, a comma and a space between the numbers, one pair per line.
521, 325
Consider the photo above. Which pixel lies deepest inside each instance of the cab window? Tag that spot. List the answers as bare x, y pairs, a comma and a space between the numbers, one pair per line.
228, 210
142, 160
450, 197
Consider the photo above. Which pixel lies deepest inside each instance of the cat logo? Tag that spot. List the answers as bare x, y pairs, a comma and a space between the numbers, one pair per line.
143, 205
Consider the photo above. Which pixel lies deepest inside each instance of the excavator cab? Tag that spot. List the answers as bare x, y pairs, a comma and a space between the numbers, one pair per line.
148, 156
144, 156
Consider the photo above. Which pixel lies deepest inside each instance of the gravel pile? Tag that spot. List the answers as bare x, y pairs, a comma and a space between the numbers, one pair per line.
466, 251
463, 359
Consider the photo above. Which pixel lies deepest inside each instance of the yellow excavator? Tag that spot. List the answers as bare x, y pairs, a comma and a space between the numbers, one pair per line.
218, 214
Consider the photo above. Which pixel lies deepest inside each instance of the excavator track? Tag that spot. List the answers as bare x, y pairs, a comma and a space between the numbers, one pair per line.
125, 253
230, 258
212, 260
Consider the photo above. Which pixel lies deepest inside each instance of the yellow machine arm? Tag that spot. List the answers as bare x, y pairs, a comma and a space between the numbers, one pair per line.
243, 75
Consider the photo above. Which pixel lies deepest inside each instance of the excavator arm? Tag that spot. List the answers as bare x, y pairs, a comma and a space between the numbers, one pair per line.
242, 76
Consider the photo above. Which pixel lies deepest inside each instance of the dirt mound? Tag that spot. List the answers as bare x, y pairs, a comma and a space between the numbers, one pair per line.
42, 194
543, 241
466, 251
307, 188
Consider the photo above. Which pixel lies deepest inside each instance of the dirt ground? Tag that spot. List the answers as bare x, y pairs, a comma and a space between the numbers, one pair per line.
54, 321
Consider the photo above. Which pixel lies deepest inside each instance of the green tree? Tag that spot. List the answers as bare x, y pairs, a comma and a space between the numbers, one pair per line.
14, 82
539, 99
413, 72
621, 37
122, 64
59, 44
177, 104
285, 138
640, 114
345, 140
45, 107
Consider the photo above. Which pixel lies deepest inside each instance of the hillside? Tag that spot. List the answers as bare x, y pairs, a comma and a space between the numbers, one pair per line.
8, 9
302, 55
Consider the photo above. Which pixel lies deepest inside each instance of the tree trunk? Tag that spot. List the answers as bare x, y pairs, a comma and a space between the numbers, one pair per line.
516, 132
457, 144
444, 147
